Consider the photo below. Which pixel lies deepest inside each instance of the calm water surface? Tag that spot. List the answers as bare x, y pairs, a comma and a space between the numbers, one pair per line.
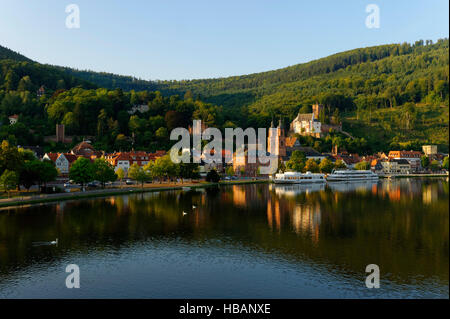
248, 241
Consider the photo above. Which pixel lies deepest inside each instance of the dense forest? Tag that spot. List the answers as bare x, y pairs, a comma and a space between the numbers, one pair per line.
389, 96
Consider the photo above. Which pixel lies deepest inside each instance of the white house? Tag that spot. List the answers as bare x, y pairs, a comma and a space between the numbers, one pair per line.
62, 161
306, 124
13, 119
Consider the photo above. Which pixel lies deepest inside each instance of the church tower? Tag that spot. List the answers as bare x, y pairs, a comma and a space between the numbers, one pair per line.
279, 139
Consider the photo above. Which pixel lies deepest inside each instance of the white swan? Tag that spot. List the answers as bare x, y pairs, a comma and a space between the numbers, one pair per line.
194, 207
184, 213
46, 243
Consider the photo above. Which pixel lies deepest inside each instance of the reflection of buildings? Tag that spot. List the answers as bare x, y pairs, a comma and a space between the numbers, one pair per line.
302, 218
306, 219
243, 195
430, 194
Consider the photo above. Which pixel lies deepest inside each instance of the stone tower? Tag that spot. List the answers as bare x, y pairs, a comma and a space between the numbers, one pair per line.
279, 139
316, 108
60, 134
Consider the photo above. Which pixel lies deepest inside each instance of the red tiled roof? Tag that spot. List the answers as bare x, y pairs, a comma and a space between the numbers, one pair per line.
52, 156
70, 157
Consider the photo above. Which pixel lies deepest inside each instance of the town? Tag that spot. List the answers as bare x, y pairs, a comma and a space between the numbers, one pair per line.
144, 167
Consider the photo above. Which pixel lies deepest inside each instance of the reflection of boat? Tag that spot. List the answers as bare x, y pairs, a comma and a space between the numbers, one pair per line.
351, 175
295, 189
298, 178
351, 185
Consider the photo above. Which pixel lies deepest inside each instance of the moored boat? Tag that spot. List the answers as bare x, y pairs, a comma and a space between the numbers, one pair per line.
351, 175
298, 178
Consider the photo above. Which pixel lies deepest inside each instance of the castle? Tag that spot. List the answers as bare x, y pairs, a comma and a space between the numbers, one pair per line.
308, 123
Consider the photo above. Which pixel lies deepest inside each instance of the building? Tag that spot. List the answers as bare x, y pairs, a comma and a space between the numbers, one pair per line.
125, 160
63, 161
413, 158
310, 153
376, 166
280, 140
119, 160
139, 108
430, 150
396, 166
85, 149
306, 124
13, 119
60, 133
350, 160
242, 166
41, 91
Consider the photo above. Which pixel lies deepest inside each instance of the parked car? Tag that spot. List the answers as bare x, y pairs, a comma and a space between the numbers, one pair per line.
129, 182
70, 184
93, 184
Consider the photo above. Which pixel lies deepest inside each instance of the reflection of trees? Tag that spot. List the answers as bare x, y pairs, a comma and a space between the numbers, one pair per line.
348, 230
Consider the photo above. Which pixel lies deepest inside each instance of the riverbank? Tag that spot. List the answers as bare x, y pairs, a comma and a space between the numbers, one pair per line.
413, 175
47, 198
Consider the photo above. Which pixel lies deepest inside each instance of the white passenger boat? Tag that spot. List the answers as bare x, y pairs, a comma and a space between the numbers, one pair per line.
298, 178
351, 175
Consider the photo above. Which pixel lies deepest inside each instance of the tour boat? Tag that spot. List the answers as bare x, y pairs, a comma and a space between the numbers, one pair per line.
351, 175
298, 178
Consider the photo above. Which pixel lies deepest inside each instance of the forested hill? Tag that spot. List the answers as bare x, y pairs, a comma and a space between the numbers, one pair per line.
388, 96
6, 53
370, 87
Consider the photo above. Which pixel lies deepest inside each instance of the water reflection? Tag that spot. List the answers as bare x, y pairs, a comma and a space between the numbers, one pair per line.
330, 230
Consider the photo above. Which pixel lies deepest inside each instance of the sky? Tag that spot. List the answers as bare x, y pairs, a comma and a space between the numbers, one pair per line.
191, 39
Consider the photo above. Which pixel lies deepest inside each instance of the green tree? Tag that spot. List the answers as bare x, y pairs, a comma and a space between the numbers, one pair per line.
81, 171
229, 170
10, 158
47, 172
9, 181
103, 171
424, 161
212, 176
362, 166
137, 173
120, 175
29, 174
326, 166
187, 170
311, 166
340, 164
434, 165
445, 163
297, 161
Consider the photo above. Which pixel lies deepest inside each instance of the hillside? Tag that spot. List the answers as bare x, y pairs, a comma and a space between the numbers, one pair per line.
400, 91
375, 82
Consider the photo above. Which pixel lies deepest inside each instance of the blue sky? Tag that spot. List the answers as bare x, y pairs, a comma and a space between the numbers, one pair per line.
180, 39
